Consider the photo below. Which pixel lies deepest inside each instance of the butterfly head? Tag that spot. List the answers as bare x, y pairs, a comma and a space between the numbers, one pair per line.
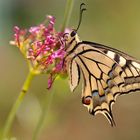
71, 37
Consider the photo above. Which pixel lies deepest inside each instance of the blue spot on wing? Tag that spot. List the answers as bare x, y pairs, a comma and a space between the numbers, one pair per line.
95, 93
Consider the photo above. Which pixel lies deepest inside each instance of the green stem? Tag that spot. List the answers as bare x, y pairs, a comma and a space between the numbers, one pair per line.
68, 11
16, 105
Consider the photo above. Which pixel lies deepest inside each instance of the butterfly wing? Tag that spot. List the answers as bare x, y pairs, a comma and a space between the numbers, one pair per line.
107, 73
130, 67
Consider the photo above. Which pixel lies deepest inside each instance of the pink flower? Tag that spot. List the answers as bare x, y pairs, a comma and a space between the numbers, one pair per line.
44, 48
34, 30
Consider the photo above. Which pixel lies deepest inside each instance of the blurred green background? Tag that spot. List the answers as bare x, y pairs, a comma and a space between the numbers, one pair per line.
111, 22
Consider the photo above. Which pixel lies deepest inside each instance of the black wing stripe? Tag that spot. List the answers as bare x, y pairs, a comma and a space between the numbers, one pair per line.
100, 89
90, 82
71, 72
110, 118
117, 58
85, 82
131, 90
97, 65
86, 67
96, 61
136, 69
75, 66
78, 68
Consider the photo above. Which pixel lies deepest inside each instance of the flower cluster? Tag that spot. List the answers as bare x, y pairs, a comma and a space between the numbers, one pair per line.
43, 47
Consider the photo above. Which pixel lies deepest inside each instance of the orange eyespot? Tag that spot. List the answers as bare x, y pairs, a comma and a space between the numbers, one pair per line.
86, 100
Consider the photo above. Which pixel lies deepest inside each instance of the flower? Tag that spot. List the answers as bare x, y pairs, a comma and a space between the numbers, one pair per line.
43, 47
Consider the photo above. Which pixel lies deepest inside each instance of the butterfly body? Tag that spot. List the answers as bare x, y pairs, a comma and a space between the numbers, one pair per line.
106, 72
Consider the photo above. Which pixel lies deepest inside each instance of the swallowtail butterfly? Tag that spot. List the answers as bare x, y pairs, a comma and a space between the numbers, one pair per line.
107, 72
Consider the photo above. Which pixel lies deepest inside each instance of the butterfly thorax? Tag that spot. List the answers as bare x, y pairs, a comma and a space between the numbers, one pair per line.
71, 42
72, 39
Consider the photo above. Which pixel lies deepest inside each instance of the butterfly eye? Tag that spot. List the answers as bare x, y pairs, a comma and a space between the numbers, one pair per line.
73, 33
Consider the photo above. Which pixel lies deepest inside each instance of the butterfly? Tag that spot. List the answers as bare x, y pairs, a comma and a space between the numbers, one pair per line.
106, 72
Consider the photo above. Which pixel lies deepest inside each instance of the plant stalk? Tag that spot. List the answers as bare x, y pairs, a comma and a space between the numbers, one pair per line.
16, 105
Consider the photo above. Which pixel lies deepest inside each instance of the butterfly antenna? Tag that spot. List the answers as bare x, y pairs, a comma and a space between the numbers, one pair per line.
81, 13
